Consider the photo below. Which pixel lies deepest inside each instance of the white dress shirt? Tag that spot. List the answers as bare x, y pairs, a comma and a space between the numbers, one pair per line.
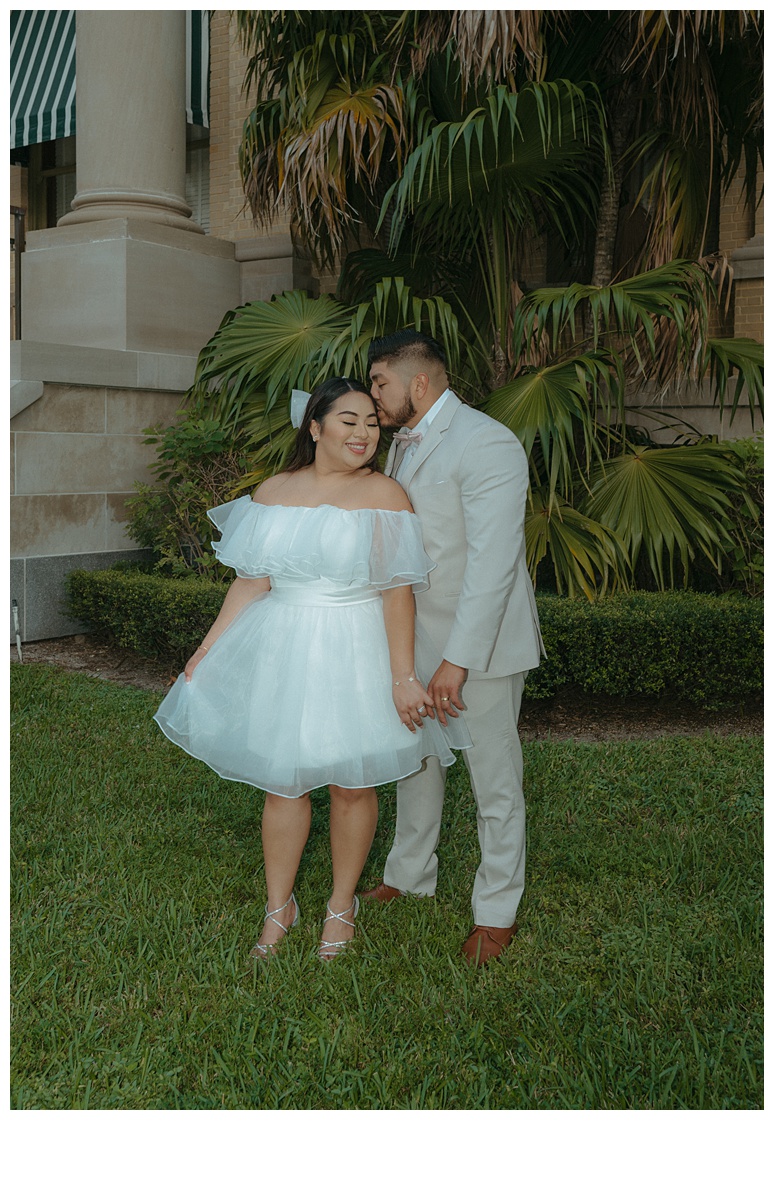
421, 427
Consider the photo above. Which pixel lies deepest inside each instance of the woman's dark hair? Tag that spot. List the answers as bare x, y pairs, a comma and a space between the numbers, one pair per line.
318, 406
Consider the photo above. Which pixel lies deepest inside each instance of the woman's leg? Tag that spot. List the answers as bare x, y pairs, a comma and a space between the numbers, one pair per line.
285, 830
354, 813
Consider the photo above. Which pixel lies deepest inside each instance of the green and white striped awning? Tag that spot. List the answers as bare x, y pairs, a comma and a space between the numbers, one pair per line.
197, 67
43, 74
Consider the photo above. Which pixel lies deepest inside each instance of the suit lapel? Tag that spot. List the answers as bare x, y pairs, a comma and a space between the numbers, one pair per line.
431, 439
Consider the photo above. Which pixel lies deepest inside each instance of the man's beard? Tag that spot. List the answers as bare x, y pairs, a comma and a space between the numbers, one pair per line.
404, 414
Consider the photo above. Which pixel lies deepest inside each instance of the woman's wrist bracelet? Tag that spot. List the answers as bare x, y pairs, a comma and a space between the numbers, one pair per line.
398, 682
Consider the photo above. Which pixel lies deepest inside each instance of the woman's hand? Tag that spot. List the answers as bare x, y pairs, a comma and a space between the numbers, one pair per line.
412, 702
194, 661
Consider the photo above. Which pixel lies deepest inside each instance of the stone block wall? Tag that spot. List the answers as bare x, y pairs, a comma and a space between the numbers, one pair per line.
76, 454
687, 411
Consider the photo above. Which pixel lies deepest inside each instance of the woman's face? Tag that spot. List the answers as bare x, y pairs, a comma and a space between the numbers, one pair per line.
348, 435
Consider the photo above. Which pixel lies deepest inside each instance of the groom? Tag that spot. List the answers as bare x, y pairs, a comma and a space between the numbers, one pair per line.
466, 476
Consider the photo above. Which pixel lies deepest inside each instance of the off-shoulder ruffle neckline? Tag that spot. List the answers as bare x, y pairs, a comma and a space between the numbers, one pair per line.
336, 507
381, 547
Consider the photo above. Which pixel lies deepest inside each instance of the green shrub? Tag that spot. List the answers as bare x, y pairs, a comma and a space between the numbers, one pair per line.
149, 614
744, 562
198, 466
706, 650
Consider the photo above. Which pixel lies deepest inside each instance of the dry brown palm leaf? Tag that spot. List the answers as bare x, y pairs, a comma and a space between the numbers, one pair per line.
488, 41
682, 31
345, 143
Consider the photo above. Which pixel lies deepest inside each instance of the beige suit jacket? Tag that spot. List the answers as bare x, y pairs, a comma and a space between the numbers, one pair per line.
467, 482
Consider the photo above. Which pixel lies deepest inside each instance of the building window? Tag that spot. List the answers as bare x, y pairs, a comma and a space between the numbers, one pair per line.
197, 175
51, 181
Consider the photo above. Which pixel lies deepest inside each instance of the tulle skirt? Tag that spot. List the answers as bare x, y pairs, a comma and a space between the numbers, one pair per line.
297, 693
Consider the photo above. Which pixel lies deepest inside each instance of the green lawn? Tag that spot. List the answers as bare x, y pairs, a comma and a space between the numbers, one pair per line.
634, 981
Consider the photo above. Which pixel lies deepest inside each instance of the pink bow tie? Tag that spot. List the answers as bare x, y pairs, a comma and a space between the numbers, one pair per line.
409, 438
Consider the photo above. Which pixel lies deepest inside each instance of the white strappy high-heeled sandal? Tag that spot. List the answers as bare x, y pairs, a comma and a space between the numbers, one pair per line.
328, 950
267, 949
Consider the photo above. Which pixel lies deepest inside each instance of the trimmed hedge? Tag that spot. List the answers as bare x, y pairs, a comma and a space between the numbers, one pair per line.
706, 650
149, 614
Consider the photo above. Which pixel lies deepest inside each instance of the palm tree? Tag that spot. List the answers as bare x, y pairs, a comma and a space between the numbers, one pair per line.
422, 149
682, 93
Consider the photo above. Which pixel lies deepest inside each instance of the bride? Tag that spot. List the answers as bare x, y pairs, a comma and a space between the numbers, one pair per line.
308, 676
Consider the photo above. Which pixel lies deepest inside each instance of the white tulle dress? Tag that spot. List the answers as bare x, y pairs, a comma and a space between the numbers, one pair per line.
297, 692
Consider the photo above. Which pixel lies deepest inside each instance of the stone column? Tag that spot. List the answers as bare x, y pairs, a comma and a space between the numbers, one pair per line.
131, 155
127, 269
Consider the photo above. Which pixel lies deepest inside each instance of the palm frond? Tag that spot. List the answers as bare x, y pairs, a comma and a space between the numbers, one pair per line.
273, 41
670, 502
319, 140
487, 43
513, 149
658, 318
677, 191
737, 361
262, 350
587, 558
265, 348
555, 406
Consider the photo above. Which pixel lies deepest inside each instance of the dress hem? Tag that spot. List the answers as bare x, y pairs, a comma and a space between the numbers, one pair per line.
177, 741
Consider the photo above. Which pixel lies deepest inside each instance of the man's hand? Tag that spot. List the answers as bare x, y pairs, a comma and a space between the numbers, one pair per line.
444, 688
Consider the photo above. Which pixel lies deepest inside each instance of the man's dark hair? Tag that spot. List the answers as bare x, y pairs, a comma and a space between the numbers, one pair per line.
406, 343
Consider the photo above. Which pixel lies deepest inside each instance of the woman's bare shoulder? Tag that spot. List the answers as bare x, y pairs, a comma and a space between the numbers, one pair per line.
383, 492
267, 491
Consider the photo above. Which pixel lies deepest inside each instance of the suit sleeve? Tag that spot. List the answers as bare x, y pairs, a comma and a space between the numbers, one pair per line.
494, 484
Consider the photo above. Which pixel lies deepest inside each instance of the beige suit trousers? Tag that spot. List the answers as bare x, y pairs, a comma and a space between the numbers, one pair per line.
494, 762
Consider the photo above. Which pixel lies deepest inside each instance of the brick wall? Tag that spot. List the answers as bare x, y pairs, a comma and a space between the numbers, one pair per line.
228, 110
737, 223
748, 309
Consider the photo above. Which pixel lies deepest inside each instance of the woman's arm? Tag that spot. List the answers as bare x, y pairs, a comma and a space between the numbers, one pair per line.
241, 592
407, 692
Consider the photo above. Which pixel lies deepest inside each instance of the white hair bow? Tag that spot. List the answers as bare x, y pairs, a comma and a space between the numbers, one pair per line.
298, 403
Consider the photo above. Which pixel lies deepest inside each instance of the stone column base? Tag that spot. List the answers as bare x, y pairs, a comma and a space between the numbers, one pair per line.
127, 285
270, 265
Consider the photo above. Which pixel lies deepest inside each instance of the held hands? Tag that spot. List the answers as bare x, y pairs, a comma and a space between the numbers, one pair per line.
410, 697
194, 661
444, 689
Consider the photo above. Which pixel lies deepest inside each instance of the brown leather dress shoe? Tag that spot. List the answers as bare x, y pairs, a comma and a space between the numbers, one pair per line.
485, 942
382, 892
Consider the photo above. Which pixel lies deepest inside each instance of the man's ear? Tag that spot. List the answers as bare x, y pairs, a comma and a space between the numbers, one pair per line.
419, 385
